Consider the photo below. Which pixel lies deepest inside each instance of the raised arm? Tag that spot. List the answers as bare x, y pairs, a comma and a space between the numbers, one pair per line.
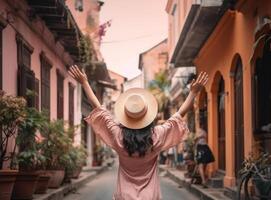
81, 77
195, 88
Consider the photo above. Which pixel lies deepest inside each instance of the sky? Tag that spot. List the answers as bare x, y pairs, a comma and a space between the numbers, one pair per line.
137, 25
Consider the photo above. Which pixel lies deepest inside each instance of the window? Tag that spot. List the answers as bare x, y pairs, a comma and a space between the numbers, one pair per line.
45, 83
26, 85
174, 9
26, 77
71, 104
79, 5
24, 50
60, 95
262, 92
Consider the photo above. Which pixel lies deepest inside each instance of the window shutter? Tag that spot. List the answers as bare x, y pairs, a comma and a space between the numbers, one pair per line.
45, 83
1, 59
26, 85
37, 91
60, 95
71, 104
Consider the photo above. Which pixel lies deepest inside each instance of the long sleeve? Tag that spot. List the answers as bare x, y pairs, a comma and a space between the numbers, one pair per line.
170, 133
105, 127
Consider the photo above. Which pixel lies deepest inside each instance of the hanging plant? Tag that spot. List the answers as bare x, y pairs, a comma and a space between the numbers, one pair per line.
85, 50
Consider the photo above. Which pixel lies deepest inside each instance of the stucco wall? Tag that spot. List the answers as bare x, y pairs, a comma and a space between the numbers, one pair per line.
233, 37
41, 39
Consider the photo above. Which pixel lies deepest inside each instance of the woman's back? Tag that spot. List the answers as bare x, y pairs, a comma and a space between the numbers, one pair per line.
137, 175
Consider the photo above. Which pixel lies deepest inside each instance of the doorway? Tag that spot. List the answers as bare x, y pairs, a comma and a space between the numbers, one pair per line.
221, 125
238, 116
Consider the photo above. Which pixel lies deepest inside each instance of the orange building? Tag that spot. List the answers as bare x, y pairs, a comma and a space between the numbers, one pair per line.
236, 102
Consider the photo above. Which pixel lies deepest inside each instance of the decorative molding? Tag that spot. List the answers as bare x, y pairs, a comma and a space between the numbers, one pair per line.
20, 39
44, 57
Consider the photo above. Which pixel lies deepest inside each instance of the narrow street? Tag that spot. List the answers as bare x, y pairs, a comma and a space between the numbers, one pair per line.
103, 186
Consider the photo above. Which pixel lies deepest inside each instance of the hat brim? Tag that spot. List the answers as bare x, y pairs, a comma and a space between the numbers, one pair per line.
129, 122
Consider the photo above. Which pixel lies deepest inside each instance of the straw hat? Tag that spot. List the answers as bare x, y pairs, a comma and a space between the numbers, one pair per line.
136, 108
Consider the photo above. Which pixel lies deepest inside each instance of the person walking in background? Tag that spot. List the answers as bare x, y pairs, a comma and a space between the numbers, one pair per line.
136, 140
204, 155
170, 157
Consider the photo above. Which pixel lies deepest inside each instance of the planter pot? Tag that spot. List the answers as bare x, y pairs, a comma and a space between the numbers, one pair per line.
56, 178
263, 188
25, 185
76, 173
7, 180
42, 184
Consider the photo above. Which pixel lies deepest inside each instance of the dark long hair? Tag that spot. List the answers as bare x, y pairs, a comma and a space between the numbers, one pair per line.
137, 140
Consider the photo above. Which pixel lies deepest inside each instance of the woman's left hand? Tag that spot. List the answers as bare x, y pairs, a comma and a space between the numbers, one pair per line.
198, 84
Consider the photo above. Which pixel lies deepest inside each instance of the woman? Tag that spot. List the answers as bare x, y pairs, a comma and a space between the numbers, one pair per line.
204, 155
135, 139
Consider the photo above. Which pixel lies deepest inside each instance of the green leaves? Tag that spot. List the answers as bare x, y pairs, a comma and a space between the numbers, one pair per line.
12, 114
159, 87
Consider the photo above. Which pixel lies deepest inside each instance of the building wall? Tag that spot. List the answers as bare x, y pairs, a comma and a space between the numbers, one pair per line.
88, 21
154, 60
136, 82
42, 40
232, 38
118, 81
39, 44
177, 12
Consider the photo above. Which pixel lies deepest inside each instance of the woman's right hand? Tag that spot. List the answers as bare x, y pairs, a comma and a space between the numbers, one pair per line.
78, 75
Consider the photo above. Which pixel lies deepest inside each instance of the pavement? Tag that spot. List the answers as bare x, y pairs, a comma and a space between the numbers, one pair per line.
203, 193
104, 185
58, 194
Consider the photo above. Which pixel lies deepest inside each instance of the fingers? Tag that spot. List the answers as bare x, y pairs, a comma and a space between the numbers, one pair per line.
192, 82
202, 78
72, 75
75, 71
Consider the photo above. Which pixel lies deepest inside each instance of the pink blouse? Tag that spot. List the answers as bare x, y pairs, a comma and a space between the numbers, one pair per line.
137, 176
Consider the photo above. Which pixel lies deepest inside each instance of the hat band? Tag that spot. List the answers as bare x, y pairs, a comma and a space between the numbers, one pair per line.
136, 115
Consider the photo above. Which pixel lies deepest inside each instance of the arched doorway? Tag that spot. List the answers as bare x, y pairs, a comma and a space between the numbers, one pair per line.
221, 124
238, 116
203, 110
261, 99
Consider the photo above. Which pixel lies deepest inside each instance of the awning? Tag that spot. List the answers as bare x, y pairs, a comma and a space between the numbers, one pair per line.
98, 72
199, 24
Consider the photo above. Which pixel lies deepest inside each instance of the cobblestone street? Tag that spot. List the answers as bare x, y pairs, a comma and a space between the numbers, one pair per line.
103, 186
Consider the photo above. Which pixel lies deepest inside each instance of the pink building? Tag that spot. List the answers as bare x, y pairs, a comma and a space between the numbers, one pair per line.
112, 94
87, 16
152, 61
36, 49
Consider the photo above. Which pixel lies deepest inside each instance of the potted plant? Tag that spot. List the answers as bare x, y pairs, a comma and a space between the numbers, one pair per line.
188, 154
28, 156
54, 146
256, 168
11, 116
80, 161
78, 156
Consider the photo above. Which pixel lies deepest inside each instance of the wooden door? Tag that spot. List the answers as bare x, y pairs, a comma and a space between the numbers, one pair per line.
238, 117
221, 125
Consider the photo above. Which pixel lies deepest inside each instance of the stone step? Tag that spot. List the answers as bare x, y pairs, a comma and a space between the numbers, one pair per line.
230, 192
216, 182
